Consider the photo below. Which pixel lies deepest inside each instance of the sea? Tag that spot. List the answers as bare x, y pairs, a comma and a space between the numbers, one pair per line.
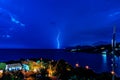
97, 62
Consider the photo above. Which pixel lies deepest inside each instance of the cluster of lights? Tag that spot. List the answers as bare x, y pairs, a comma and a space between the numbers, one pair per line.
86, 67
37, 66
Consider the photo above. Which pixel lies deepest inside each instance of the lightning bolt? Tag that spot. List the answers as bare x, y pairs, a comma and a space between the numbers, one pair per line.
58, 41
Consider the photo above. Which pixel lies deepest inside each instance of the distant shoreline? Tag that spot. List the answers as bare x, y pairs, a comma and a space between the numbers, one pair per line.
7, 50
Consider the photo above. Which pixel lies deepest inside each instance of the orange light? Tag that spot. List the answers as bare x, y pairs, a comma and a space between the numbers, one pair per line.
112, 72
50, 73
87, 67
77, 65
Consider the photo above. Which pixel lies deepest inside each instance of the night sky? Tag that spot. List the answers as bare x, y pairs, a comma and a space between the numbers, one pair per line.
57, 23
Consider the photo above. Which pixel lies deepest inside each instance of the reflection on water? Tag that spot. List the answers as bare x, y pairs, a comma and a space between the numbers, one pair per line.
104, 63
117, 69
104, 56
99, 63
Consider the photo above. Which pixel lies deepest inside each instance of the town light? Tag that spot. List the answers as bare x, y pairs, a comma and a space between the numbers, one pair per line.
112, 72
76, 65
87, 67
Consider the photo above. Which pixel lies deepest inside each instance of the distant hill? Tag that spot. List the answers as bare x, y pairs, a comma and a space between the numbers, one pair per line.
100, 43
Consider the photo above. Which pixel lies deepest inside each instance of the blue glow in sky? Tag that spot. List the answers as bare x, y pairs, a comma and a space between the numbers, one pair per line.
82, 22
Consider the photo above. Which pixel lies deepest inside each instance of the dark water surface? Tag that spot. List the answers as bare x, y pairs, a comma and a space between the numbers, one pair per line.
97, 62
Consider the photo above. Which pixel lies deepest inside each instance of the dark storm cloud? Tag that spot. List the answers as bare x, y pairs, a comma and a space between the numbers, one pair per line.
79, 22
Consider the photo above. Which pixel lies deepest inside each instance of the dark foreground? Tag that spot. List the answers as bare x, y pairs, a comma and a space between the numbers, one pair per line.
54, 65
44, 69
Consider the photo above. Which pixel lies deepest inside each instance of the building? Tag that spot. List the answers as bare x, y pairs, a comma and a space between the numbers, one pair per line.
13, 67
